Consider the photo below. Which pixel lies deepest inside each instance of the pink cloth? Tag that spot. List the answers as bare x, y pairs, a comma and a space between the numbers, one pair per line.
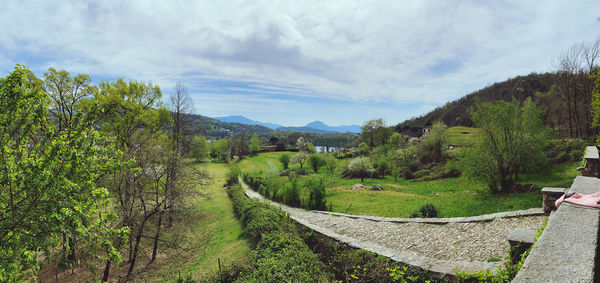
577, 198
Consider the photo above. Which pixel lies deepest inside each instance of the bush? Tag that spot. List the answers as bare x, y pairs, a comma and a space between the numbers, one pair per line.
564, 150
285, 160
316, 161
316, 199
426, 211
291, 194
280, 254
232, 176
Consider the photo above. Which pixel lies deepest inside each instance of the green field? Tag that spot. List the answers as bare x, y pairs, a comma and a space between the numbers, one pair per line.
454, 197
462, 136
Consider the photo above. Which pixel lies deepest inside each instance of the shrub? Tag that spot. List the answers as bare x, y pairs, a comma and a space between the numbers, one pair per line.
316, 161
232, 176
292, 193
426, 211
316, 199
363, 149
285, 160
280, 254
564, 150
331, 161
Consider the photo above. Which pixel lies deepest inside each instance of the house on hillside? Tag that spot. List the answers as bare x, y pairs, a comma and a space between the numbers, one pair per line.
426, 131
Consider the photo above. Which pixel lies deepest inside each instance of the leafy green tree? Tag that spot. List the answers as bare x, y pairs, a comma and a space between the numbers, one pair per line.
238, 148
363, 149
199, 148
48, 181
66, 93
361, 167
285, 160
316, 161
330, 162
219, 149
300, 158
310, 148
397, 140
137, 120
375, 132
512, 140
254, 144
433, 148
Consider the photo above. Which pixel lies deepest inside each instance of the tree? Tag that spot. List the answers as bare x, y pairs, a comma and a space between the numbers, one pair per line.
363, 149
219, 149
433, 148
199, 148
66, 96
273, 140
254, 144
316, 161
375, 132
310, 148
361, 167
135, 118
302, 144
66, 93
512, 141
330, 162
48, 181
397, 140
181, 106
285, 160
300, 158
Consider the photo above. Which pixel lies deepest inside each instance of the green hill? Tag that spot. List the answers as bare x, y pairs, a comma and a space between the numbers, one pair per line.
456, 113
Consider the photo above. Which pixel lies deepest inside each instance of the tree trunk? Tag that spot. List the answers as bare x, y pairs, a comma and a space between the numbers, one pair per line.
72, 246
106, 271
156, 237
138, 237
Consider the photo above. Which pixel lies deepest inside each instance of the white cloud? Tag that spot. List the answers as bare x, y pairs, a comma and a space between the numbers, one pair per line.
424, 52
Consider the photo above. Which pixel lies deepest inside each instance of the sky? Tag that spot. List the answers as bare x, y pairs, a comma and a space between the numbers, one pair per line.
292, 62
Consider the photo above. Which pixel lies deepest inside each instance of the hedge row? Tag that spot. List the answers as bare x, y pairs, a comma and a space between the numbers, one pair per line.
280, 255
287, 252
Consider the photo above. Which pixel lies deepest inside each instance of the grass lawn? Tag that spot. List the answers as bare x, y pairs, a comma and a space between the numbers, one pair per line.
453, 197
212, 233
462, 136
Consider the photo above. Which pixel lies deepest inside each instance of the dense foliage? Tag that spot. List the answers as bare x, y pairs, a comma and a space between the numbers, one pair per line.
512, 141
280, 254
47, 182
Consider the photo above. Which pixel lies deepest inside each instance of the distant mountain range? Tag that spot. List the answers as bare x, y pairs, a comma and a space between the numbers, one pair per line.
312, 127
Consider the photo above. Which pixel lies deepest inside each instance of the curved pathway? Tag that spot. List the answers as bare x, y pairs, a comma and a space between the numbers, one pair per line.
441, 246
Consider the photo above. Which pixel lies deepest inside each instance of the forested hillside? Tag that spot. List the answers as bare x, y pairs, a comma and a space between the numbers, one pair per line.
456, 113
565, 95
215, 129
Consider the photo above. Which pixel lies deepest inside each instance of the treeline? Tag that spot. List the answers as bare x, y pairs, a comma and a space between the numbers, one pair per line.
565, 95
89, 173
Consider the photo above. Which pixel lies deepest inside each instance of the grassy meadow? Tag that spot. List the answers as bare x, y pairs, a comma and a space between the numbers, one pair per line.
462, 136
453, 197
213, 233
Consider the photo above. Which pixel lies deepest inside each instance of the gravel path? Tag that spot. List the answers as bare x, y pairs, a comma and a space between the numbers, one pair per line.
454, 244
